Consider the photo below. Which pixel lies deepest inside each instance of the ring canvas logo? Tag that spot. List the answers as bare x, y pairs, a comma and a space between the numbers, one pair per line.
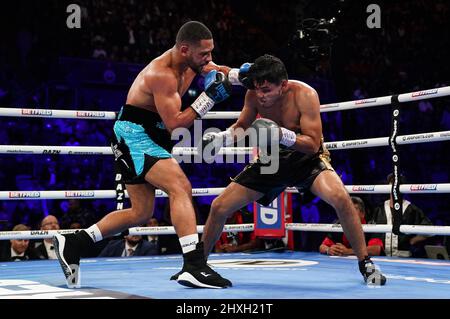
261, 263
27, 289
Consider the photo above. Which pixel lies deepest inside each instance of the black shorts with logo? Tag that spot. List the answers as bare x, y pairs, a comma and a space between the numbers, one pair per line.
295, 170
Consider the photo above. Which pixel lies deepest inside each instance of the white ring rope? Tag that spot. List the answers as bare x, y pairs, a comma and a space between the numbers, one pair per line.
141, 231
384, 141
92, 194
386, 100
160, 230
89, 115
372, 228
96, 115
180, 151
170, 230
58, 114
386, 189
105, 150
106, 194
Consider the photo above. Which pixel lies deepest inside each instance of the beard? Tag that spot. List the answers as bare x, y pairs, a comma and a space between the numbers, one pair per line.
195, 67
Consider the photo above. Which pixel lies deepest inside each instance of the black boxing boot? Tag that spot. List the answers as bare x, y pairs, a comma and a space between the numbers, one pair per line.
197, 274
372, 275
68, 249
175, 277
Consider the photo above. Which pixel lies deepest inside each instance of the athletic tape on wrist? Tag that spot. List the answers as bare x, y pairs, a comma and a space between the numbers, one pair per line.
202, 104
288, 137
233, 77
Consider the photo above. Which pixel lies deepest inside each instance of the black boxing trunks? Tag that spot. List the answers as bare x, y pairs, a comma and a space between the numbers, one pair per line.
295, 170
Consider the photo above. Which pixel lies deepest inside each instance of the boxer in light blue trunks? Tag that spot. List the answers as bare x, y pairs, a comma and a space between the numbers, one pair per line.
143, 152
143, 139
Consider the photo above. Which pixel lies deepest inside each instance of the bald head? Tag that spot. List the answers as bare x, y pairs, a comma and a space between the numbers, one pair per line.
50, 222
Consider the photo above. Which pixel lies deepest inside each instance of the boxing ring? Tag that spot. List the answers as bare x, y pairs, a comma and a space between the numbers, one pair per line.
263, 275
268, 275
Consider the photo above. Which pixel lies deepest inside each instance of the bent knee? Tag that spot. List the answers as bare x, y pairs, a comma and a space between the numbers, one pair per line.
180, 187
139, 216
220, 209
341, 200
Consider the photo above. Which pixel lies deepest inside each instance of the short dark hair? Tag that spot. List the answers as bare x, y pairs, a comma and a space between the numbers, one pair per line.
193, 32
359, 203
268, 68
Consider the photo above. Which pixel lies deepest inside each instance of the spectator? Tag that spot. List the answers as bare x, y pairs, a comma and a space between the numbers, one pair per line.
18, 249
76, 213
128, 246
336, 244
45, 248
401, 245
153, 239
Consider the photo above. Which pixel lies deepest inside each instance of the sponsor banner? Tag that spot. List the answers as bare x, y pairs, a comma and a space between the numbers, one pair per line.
363, 188
354, 143
38, 232
200, 191
34, 112
331, 145
366, 101
154, 229
87, 153
422, 187
90, 114
17, 151
51, 152
78, 194
242, 227
423, 93
417, 137
32, 194
7, 234
269, 220
66, 231
333, 105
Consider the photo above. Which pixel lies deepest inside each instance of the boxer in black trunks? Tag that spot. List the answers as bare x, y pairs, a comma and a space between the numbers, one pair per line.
143, 150
292, 110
